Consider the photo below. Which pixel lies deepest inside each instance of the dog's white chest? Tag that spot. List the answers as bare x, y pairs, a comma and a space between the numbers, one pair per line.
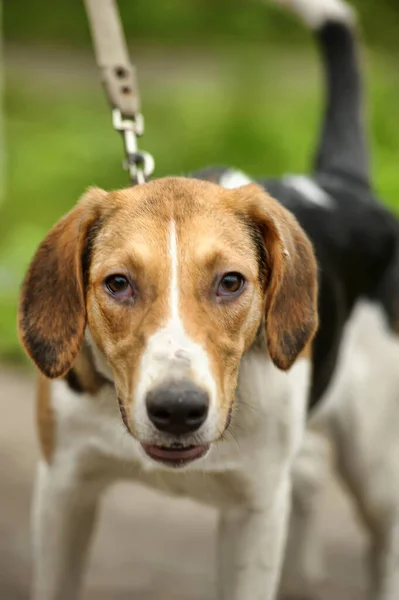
266, 428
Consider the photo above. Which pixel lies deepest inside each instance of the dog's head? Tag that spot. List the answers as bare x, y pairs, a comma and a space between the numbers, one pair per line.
170, 282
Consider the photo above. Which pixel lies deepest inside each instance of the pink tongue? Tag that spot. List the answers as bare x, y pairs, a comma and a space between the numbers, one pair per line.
175, 454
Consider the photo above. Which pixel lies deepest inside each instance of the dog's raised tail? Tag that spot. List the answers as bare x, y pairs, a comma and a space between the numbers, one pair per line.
342, 149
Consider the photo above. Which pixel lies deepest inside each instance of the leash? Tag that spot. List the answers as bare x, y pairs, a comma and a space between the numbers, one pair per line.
119, 79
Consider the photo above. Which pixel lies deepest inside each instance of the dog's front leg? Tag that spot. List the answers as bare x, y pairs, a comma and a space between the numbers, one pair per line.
63, 516
251, 547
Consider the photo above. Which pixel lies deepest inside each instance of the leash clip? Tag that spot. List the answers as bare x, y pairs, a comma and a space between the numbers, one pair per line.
139, 164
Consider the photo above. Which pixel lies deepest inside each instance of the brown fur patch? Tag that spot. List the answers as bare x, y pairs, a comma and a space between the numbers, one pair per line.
45, 417
52, 311
307, 352
291, 296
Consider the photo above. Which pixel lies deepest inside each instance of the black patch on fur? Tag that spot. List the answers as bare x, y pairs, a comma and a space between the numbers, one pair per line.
88, 248
45, 351
342, 148
258, 240
74, 382
356, 245
291, 342
259, 245
213, 174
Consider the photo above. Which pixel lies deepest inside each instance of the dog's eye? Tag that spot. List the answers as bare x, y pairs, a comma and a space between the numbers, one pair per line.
231, 284
119, 286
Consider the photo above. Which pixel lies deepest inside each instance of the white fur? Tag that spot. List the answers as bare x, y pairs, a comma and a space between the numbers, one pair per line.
232, 179
315, 13
309, 190
171, 353
246, 476
174, 286
360, 417
64, 511
307, 187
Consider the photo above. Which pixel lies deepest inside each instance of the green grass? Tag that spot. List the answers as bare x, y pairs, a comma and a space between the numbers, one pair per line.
181, 22
261, 119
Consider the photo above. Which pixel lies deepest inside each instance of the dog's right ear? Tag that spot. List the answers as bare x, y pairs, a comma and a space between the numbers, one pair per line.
291, 311
52, 306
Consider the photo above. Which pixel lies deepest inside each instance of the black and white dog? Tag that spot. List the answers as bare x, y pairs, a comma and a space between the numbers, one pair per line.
354, 398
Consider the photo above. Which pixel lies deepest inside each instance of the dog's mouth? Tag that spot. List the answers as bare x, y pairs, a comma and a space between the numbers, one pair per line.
176, 455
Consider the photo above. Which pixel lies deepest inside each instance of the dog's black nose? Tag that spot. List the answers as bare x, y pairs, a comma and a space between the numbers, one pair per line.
177, 407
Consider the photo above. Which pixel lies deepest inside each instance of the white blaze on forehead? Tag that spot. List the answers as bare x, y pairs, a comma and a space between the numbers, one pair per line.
174, 287
171, 353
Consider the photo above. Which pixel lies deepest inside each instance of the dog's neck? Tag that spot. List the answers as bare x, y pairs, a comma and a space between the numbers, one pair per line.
84, 377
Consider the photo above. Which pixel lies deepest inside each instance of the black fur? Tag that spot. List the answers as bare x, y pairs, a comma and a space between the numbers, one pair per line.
73, 382
356, 240
257, 239
357, 249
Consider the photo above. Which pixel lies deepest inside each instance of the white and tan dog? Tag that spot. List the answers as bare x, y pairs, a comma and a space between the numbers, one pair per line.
178, 320
181, 313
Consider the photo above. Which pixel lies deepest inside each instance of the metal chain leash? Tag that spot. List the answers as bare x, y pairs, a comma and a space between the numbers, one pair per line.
119, 79
139, 164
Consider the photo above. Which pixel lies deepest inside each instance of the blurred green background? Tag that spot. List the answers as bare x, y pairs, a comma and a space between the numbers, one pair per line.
222, 82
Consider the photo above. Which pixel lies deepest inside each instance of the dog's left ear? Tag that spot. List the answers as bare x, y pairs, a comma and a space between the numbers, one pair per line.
291, 315
52, 306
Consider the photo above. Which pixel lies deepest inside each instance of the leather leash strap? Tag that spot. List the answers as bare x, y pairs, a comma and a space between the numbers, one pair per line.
119, 79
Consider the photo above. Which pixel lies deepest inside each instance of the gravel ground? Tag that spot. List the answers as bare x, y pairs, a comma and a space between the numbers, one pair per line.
147, 547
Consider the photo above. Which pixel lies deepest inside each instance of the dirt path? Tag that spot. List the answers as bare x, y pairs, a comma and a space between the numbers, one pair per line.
148, 547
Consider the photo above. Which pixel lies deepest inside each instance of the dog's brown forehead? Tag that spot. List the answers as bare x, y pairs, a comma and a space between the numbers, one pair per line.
175, 197
179, 199
207, 220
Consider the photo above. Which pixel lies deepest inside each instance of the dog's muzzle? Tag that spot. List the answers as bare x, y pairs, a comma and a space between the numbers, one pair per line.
177, 408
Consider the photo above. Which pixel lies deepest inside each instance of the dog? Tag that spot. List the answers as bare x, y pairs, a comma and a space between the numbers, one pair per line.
356, 413
183, 328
